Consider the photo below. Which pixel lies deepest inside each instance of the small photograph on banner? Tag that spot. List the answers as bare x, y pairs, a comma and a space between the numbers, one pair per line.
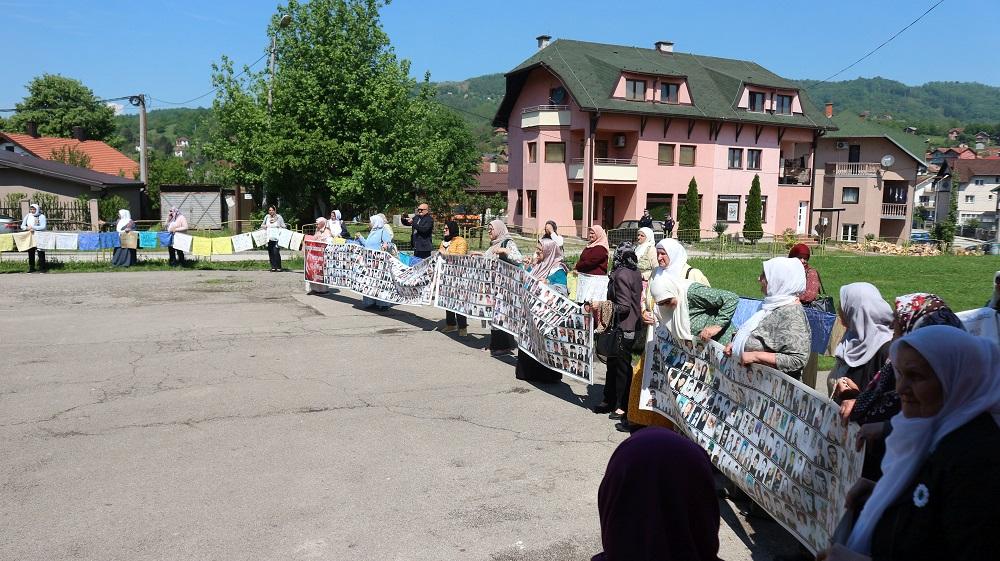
284, 238
182, 242
259, 237
222, 246
6, 242
24, 240
296, 241
242, 242
67, 241
201, 246
45, 240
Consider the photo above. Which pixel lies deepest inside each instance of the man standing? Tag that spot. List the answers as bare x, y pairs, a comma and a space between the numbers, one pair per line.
423, 230
668, 226
35, 221
646, 221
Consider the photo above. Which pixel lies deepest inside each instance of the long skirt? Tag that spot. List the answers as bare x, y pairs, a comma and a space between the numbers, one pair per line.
530, 369
123, 257
502, 341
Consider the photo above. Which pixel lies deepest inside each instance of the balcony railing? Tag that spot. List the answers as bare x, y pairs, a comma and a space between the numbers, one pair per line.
608, 161
896, 211
546, 116
853, 169
795, 176
537, 108
605, 169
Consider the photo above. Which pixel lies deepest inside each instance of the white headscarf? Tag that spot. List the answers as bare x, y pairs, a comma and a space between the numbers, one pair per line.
337, 225
786, 278
869, 320
377, 222
32, 219
968, 368
124, 218
643, 248
677, 255
676, 320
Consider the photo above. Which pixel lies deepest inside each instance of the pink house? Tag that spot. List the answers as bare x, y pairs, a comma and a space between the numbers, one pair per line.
599, 132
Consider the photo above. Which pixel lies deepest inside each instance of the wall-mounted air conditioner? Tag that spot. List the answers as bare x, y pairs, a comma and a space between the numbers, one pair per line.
841, 145
619, 141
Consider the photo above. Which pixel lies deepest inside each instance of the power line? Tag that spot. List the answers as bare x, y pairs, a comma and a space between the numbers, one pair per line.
215, 89
884, 43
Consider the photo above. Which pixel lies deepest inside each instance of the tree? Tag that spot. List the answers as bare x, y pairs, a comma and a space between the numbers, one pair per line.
344, 124
689, 227
164, 170
753, 228
944, 230
57, 104
70, 155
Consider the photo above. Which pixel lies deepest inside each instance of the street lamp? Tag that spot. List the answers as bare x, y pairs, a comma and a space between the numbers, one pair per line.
282, 23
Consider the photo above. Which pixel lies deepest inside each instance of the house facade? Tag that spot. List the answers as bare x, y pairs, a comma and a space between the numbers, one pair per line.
103, 158
597, 133
865, 179
977, 186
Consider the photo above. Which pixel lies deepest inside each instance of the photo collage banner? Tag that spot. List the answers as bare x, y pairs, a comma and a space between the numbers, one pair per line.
780, 441
546, 325
46, 240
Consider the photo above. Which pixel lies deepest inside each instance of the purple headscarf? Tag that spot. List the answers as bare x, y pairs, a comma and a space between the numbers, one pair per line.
657, 501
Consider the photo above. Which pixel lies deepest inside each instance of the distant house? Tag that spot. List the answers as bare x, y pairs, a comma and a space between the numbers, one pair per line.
28, 174
182, 142
953, 133
103, 158
910, 130
977, 186
923, 194
492, 179
983, 138
865, 179
940, 155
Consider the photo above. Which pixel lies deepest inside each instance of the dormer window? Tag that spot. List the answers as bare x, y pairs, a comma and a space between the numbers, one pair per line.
784, 105
635, 90
669, 93
757, 102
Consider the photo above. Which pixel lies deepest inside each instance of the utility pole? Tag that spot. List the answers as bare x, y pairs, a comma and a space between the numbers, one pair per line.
282, 23
140, 102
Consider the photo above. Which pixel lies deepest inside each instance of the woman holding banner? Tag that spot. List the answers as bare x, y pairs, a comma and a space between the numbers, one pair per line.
176, 223
778, 334
502, 247
592, 267
938, 496
124, 257
865, 346
689, 309
272, 223
379, 237
454, 244
548, 269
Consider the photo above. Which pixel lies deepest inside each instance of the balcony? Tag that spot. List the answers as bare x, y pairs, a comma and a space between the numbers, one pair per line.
853, 169
605, 169
545, 116
894, 211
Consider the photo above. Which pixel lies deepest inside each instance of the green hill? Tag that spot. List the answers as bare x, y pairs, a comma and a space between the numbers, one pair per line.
165, 127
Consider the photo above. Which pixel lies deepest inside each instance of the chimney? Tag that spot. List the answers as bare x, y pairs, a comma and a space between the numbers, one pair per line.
829, 110
664, 46
543, 41
78, 133
31, 129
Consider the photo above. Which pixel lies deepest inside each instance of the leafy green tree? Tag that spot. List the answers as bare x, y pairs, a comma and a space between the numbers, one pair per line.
164, 170
57, 104
753, 228
70, 155
689, 219
344, 124
944, 230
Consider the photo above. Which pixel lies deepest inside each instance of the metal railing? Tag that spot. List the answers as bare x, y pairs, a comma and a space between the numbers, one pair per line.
535, 108
608, 161
856, 169
795, 176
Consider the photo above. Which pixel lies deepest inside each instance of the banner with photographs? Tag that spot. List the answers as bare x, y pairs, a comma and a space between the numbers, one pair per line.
546, 325
779, 440
372, 273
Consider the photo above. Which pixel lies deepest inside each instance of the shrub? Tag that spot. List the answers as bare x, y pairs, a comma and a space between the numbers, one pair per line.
753, 229
689, 216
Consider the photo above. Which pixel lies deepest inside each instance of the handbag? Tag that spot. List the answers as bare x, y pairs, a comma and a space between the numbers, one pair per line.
609, 343
824, 302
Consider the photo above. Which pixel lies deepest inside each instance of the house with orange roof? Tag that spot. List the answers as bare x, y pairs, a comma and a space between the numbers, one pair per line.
103, 158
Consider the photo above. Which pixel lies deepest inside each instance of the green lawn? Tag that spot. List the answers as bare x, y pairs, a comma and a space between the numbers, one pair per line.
964, 282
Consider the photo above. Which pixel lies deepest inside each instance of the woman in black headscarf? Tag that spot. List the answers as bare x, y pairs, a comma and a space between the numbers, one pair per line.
657, 501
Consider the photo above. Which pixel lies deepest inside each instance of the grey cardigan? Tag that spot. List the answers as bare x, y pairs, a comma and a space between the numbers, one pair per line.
784, 332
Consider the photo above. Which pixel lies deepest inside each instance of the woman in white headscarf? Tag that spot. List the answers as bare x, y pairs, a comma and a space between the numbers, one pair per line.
502, 247
379, 238
937, 498
337, 227
865, 345
176, 223
673, 260
778, 334
124, 257
645, 252
689, 309
35, 221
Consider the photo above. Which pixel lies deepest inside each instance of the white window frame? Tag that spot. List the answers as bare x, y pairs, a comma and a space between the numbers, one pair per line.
845, 235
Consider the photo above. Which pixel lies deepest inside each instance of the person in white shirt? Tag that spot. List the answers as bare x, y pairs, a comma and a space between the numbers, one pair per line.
35, 221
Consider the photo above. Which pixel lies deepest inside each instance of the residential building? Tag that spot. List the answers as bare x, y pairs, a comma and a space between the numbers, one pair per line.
940, 155
977, 186
953, 133
983, 138
103, 158
865, 175
599, 132
492, 178
923, 195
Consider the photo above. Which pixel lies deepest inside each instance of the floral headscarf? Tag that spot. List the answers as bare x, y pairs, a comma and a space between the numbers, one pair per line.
625, 257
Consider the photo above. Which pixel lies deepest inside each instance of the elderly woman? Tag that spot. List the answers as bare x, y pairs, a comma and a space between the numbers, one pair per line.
813, 285
594, 258
938, 496
657, 501
379, 237
548, 269
865, 345
645, 252
625, 295
322, 235
337, 227
272, 223
502, 247
454, 244
35, 221
689, 309
176, 223
673, 260
124, 257
778, 334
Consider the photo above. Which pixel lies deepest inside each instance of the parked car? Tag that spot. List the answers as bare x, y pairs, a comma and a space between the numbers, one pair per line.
634, 225
9, 225
920, 236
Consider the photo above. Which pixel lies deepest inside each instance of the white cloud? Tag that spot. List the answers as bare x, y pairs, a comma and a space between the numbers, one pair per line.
118, 107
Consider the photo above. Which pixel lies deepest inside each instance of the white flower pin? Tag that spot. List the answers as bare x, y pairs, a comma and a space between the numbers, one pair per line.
921, 495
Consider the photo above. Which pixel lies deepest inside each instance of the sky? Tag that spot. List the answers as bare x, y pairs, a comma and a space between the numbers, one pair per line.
166, 48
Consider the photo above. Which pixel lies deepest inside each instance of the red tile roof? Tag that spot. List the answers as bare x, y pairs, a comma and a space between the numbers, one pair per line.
969, 168
495, 181
103, 158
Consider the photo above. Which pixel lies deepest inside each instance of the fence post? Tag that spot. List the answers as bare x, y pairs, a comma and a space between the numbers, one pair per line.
23, 203
94, 212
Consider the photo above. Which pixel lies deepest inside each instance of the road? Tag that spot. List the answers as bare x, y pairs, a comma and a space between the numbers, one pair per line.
214, 415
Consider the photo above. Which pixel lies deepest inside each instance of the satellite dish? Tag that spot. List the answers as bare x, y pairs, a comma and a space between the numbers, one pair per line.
887, 161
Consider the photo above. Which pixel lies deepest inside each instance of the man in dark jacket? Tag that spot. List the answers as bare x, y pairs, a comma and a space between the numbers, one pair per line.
646, 221
423, 230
